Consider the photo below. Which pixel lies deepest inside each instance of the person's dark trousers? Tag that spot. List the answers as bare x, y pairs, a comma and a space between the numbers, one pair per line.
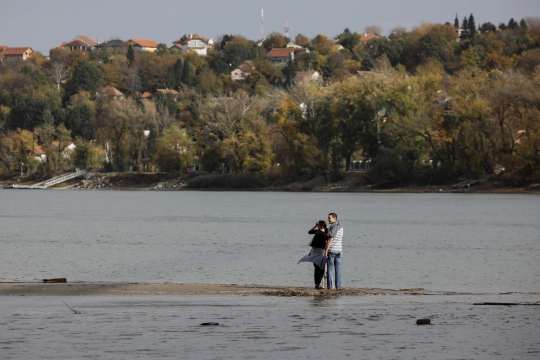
319, 273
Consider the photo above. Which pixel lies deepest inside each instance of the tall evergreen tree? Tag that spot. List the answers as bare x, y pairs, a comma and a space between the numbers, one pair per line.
367, 65
523, 24
471, 26
130, 55
512, 24
187, 73
465, 28
177, 73
456, 22
289, 72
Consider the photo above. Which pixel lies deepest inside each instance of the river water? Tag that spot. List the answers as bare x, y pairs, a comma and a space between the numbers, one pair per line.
478, 244
451, 242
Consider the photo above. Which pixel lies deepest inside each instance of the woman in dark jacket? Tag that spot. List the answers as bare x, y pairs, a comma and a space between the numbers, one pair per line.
316, 256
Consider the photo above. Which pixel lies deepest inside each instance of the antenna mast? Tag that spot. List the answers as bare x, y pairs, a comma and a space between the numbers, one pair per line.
262, 23
286, 28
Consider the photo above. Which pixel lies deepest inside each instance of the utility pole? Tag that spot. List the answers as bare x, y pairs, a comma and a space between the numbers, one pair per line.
262, 24
286, 28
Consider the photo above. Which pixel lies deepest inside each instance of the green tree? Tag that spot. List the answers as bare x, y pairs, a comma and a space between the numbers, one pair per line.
289, 72
162, 49
131, 55
187, 74
471, 28
177, 74
86, 77
456, 22
80, 114
275, 40
86, 154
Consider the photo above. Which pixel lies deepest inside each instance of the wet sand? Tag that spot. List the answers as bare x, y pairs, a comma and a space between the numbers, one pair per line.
128, 289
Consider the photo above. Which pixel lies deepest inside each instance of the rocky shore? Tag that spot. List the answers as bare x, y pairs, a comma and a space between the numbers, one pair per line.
109, 183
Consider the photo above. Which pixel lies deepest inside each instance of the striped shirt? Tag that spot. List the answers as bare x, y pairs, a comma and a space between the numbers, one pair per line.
336, 233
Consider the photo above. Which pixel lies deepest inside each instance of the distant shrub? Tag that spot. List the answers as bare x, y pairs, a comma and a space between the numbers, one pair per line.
226, 181
388, 169
427, 175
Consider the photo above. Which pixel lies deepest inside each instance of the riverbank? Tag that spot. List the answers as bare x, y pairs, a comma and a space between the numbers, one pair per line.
352, 181
128, 289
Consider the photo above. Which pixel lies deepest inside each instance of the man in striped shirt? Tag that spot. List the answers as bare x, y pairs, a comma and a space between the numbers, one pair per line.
333, 251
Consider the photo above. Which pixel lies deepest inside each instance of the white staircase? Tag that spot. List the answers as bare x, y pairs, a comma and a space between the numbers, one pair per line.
53, 181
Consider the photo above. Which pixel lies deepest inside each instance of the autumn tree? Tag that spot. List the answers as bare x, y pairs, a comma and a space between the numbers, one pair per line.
174, 150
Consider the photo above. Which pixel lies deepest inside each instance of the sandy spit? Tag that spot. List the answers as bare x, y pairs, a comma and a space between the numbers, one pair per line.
128, 289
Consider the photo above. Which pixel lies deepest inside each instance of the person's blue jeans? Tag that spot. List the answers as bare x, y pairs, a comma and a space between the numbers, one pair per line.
333, 269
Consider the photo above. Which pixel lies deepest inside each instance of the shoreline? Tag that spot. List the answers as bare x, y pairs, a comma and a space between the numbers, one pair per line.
129, 289
351, 183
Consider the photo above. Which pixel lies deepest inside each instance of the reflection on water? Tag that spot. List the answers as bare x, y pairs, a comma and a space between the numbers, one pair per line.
268, 328
461, 242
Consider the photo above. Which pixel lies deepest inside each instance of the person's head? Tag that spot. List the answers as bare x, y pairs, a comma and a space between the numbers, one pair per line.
332, 217
322, 225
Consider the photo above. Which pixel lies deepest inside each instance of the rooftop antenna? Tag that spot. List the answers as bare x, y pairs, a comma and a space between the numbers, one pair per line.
286, 28
262, 23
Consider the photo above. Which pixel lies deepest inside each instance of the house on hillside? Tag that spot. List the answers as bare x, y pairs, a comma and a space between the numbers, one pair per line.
292, 45
109, 92
153, 96
194, 42
280, 56
311, 75
242, 71
365, 38
39, 154
176, 47
17, 53
112, 44
79, 43
69, 148
143, 45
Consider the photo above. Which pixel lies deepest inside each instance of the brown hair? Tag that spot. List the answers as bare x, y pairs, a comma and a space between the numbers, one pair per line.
322, 224
334, 215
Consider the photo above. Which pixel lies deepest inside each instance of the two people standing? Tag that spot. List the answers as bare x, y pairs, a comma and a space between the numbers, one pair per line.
326, 249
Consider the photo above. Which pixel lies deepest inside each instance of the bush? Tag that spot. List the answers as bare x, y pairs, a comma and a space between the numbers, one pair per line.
226, 181
388, 169
427, 175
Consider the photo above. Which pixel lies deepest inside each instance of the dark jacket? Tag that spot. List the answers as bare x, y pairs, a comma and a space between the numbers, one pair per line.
319, 240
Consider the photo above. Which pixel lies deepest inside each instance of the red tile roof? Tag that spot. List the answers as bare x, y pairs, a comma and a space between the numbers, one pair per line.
110, 91
88, 40
146, 95
367, 37
38, 150
15, 51
174, 92
283, 52
55, 144
74, 43
3, 47
176, 45
305, 74
144, 43
184, 39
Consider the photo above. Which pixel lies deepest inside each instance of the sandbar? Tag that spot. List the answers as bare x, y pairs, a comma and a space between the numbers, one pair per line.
129, 288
